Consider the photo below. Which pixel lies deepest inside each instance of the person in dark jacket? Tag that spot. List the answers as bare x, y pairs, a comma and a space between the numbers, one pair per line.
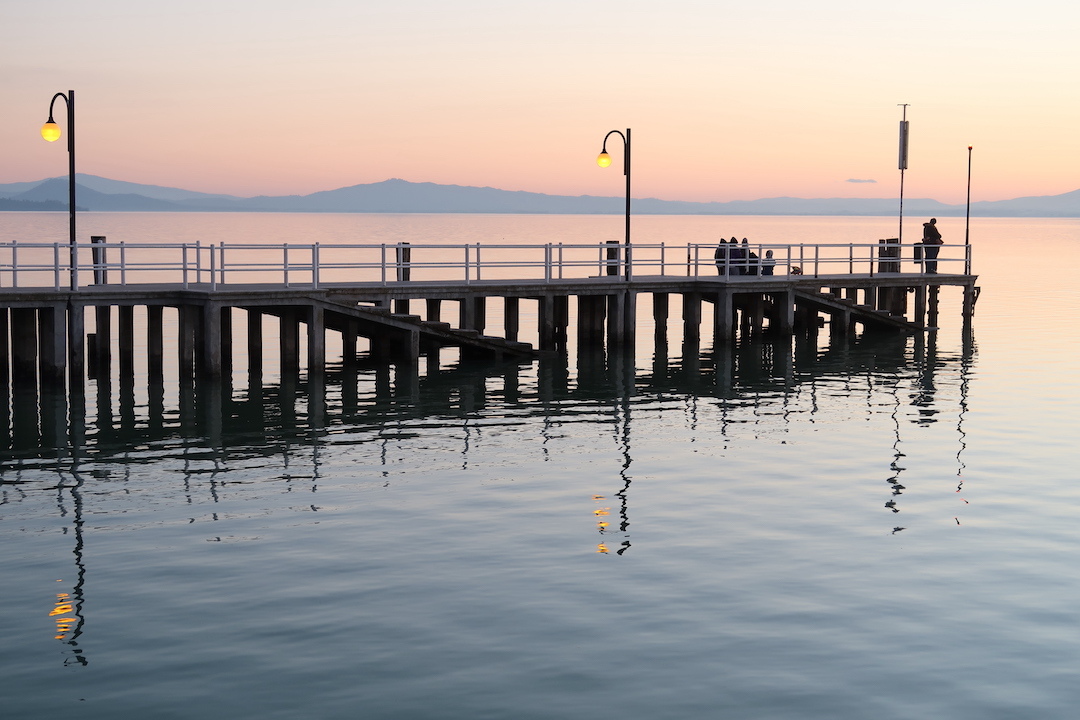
721, 256
736, 258
753, 262
931, 240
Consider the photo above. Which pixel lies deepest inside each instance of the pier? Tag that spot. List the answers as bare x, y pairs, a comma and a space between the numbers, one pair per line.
408, 301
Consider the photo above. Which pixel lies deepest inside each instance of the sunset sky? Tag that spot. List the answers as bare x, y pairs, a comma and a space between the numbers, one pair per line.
726, 100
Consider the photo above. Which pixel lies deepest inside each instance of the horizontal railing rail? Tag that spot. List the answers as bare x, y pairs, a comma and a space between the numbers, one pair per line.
48, 265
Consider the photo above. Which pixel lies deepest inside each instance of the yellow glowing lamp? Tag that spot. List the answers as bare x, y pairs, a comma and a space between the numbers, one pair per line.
50, 131
603, 160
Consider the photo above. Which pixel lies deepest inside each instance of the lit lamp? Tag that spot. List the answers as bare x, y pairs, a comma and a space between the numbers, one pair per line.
51, 132
604, 160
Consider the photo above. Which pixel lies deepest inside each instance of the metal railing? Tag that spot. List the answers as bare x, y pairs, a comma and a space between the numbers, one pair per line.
46, 265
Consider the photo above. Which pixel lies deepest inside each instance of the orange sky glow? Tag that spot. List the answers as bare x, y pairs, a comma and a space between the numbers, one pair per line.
726, 101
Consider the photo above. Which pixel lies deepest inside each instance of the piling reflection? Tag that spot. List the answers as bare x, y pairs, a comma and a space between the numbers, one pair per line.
205, 426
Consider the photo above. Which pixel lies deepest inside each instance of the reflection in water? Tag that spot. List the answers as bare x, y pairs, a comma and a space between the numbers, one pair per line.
70, 626
211, 427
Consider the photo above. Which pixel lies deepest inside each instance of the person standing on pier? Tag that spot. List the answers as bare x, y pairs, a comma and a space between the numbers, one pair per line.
721, 256
931, 240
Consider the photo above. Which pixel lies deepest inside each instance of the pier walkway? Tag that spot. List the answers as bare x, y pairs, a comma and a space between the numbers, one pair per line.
394, 297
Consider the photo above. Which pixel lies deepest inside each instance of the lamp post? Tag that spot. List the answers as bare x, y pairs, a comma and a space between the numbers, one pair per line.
604, 160
51, 132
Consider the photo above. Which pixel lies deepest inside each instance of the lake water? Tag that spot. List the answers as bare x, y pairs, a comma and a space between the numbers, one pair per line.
882, 529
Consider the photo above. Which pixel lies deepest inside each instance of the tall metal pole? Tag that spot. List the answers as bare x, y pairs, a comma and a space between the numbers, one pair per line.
71, 180
967, 219
626, 162
903, 167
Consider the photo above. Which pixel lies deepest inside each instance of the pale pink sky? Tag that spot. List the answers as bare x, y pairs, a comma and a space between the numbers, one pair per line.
726, 101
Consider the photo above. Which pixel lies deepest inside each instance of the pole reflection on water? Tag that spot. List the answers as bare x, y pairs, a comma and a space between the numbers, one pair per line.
213, 424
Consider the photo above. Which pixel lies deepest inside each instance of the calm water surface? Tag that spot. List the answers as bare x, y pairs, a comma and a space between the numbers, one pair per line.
882, 529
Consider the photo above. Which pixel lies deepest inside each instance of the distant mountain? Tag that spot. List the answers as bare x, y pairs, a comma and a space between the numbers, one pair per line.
401, 196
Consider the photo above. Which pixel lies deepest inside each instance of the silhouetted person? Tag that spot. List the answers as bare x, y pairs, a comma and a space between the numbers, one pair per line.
737, 258
931, 240
721, 256
752, 259
767, 263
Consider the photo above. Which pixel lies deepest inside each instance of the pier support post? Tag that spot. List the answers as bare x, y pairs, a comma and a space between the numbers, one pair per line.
210, 356
434, 309
590, 325
52, 345
546, 322
723, 318
920, 305
660, 312
125, 341
103, 349
187, 322
24, 347
290, 341
561, 310
968, 310
5, 357
473, 313
316, 340
691, 313
785, 305
155, 344
511, 317
76, 339
254, 340
619, 315
840, 324
226, 340
348, 343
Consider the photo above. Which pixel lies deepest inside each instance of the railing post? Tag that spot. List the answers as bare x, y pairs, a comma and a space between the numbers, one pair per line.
222, 264
967, 259
285, 269
198, 261
315, 266
851, 259
817, 252
467, 273
97, 253
613, 257
382, 263
547, 263
560, 261
184, 262
477, 261
123, 263
663, 259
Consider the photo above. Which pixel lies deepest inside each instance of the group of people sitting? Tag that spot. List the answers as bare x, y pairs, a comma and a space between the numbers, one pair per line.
735, 259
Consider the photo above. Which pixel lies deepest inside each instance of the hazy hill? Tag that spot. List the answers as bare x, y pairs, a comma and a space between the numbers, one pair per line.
401, 196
